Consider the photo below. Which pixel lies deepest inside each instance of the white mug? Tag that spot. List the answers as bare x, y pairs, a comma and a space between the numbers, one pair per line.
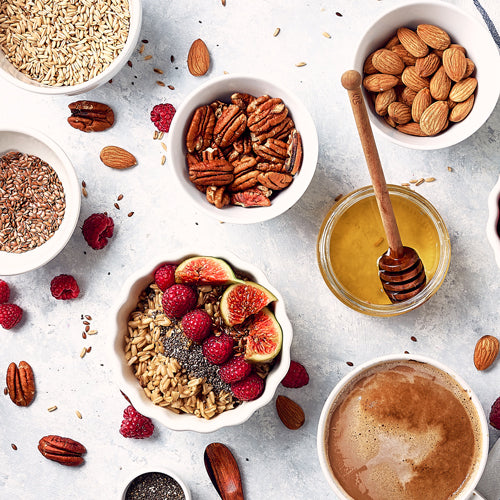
468, 493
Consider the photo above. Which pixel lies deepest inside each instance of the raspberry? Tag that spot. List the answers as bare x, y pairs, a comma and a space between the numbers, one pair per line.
162, 116
495, 414
218, 349
197, 325
10, 315
4, 292
178, 300
249, 388
134, 425
165, 276
237, 368
96, 229
64, 287
297, 376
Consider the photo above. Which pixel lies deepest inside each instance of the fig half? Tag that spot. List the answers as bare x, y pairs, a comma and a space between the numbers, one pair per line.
264, 337
205, 271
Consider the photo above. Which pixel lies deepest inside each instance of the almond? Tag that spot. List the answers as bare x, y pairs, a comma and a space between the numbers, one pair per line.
454, 64
434, 119
470, 68
411, 128
369, 68
485, 352
390, 121
426, 66
407, 96
115, 157
412, 80
386, 61
290, 413
463, 89
392, 42
406, 57
380, 82
198, 58
383, 100
421, 102
459, 47
461, 109
412, 42
440, 85
451, 104
433, 36
399, 112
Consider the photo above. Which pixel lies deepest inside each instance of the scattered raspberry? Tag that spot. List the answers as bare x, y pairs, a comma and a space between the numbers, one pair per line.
218, 349
64, 287
4, 292
10, 315
249, 388
197, 325
162, 116
297, 376
165, 276
96, 229
178, 300
495, 414
134, 425
237, 368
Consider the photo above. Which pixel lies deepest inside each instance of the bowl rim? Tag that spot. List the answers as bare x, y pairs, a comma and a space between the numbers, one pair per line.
442, 140
494, 220
75, 204
135, 7
254, 214
129, 385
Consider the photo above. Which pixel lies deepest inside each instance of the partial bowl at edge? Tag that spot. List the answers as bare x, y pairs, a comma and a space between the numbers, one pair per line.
493, 225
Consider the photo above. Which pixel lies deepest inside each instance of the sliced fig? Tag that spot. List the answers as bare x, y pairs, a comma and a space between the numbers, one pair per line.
241, 300
264, 337
205, 271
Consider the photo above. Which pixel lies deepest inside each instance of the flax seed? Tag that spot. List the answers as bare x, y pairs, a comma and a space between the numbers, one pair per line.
89, 349
88, 317
141, 49
86, 323
84, 184
5, 391
171, 87
158, 70
14, 447
120, 197
84, 192
420, 181
87, 328
84, 335
130, 214
117, 206
326, 35
161, 84
148, 57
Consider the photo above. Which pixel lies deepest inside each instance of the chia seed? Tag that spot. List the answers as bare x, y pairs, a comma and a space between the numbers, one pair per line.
154, 486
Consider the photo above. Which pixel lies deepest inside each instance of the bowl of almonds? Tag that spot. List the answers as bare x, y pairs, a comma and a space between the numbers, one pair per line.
429, 74
242, 148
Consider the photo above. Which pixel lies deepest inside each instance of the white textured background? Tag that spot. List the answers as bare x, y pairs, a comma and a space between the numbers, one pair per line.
274, 462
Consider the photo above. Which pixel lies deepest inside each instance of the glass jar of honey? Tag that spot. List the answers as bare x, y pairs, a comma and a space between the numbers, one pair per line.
352, 239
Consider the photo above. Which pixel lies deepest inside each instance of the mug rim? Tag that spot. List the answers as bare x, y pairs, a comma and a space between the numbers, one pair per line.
320, 437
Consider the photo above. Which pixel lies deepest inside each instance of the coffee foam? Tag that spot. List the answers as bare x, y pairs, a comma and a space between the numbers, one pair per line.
405, 430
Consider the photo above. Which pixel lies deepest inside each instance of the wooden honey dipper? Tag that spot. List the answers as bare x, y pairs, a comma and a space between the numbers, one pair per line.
400, 269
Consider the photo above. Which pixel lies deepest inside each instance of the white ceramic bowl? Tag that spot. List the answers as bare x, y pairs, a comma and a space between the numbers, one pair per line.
464, 30
493, 226
126, 303
160, 469
12, 75
36, 143
222, 88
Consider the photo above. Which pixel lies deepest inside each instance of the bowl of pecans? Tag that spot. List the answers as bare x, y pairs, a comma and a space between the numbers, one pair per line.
429, 73
242, 148
202, 340
39, 200
64, 47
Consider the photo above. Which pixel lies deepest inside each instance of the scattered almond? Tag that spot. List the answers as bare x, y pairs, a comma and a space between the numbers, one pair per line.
290, 413
198, 58
115, 157
485, 352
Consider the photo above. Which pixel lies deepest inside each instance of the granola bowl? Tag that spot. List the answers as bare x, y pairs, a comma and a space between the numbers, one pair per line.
125, 322
221, 89
107, 46
35, 143
493, 225
464, 30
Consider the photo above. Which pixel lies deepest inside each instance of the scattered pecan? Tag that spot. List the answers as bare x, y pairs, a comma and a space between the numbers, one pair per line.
21, 383
253, 197
216, 195
90, 116
275, 180
64, 450
294, 153
230, 126
199, 134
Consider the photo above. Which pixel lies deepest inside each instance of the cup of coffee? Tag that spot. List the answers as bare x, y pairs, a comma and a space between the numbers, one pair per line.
402, 427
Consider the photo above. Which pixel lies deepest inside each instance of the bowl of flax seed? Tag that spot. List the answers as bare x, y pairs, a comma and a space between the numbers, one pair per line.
39, 200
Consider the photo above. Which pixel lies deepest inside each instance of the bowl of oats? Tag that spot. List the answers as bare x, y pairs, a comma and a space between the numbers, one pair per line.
66, 48
202, 340
39, 200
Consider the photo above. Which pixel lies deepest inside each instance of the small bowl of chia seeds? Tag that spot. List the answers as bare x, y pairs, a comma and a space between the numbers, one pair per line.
155, 484
39, 200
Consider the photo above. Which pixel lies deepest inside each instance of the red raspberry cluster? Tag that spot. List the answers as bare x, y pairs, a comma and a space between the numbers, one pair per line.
10, 314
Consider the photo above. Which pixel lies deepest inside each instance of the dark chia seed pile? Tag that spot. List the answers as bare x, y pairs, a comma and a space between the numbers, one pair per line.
190, 356
154, 486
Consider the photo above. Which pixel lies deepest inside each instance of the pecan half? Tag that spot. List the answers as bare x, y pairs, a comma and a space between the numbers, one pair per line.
264, 114
294, 153
216, 172
90, 116
242, 100
230, 126
270, 167
272, 150
275, 180
200, 131
64, 450
21, 383
244, 181
253, 197
216, 195
218, 107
